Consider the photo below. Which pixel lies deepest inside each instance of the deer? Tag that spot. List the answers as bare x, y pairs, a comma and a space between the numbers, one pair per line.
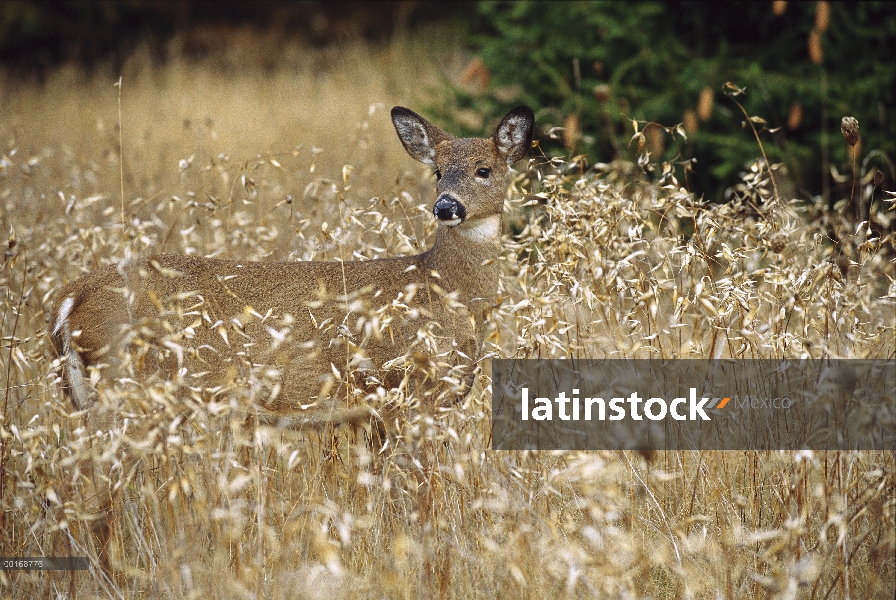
214, 322
219, 320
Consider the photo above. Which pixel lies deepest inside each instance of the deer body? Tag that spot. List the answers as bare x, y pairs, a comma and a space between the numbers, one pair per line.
214, 320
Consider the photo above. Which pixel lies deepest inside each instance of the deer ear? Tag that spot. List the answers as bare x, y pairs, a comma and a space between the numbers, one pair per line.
513, 137
419, 136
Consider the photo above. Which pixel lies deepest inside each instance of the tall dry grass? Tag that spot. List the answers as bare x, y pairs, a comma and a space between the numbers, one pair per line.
224, 159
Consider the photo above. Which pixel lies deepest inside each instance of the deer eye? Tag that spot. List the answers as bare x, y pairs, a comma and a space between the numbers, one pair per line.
483, 172
438, 174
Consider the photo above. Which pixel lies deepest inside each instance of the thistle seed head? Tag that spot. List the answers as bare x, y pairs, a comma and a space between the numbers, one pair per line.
778, 242
850, 129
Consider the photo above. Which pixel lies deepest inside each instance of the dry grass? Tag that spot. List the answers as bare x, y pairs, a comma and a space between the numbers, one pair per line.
223, 160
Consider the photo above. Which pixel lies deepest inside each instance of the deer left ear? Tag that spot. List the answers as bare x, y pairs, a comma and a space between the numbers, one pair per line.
513, 137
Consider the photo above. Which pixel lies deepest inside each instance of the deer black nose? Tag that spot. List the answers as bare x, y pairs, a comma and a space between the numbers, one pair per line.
449, 209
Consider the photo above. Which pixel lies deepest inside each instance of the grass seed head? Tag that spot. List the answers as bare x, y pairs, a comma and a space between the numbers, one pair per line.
704, 106
822, 16
816, 53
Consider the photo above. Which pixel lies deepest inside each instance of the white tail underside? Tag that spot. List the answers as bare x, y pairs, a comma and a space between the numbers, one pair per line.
82, 393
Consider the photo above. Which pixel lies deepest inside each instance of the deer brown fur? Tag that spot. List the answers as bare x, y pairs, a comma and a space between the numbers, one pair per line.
216, 321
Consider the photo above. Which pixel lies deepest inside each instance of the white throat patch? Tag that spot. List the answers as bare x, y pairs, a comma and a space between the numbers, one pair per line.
481, 230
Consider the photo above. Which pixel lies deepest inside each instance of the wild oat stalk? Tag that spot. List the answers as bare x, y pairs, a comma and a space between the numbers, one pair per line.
732, 91
121, 153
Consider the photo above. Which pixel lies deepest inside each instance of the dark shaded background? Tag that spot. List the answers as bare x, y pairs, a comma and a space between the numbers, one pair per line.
36, 36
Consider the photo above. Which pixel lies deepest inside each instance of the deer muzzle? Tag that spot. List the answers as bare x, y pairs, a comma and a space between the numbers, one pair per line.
449, 211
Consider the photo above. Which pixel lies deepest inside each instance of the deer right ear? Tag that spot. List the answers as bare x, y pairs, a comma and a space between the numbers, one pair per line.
419, 136
513, 137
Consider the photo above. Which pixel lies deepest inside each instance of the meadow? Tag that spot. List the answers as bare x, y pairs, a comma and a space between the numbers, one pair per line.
239, 156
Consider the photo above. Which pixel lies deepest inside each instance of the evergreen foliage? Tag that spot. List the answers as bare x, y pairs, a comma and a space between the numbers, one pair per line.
596, 66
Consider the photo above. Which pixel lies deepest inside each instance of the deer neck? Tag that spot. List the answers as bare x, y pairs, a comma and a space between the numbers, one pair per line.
466, 258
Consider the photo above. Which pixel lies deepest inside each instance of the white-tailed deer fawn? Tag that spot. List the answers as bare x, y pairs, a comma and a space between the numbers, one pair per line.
213, 322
